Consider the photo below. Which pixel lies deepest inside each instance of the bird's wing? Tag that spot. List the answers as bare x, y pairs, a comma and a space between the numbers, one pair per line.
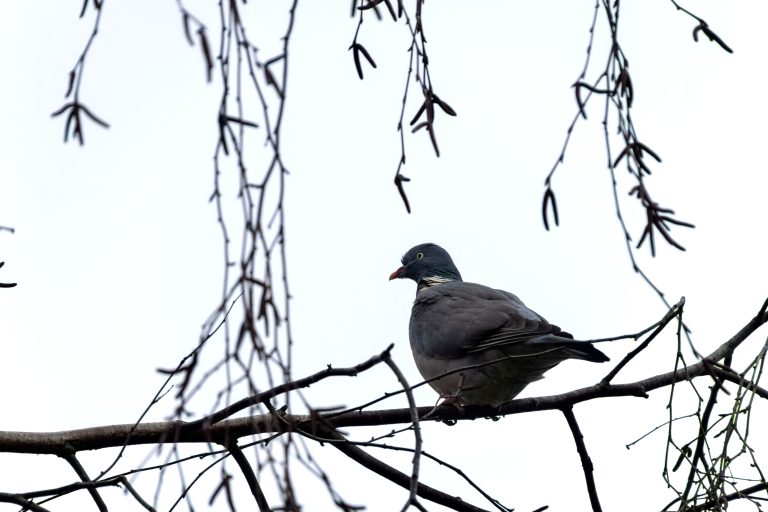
459, 318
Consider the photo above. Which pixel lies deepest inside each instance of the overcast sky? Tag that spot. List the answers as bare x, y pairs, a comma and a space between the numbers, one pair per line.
118, 256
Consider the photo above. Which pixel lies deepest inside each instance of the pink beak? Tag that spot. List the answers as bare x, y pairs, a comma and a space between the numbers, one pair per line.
397, 274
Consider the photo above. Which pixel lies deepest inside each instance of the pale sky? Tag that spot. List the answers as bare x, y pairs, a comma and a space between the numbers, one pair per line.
118, 255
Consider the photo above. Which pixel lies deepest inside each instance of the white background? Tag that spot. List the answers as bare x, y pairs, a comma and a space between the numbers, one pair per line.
118, 257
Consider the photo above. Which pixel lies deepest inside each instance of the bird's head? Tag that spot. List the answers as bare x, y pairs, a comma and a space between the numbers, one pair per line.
427, 262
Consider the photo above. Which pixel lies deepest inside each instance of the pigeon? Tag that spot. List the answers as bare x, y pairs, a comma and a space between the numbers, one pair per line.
490, 342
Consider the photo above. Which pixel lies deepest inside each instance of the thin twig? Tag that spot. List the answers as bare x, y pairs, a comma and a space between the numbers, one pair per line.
674, 311
6, 497
702, 438
741, 493
77, 486
265, 396
414, 486
734, 377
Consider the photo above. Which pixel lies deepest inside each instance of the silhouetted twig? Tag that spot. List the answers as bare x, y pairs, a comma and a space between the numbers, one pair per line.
281, 389
6, 285
615, 85
739, 494
417, 76
75, 109
77, 486
711, 469
703, 27
414, 486
16, 499
674, 311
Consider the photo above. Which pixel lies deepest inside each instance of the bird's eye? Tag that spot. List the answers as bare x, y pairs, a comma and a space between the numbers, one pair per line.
419, 255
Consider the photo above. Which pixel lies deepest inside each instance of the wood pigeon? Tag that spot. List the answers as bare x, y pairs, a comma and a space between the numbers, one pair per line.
489, 339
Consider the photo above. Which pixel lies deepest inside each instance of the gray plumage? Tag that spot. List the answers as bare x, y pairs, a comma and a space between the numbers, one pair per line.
499, 344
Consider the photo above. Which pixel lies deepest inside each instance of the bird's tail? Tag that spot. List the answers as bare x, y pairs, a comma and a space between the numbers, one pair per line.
572, 348
584, 350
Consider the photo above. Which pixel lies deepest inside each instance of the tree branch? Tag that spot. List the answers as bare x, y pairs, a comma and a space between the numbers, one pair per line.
265, 396
586, 461
249, 475
414, 484
176, 431
83, 475
698, 454
360, 456
742, 493
70, 488
6, 497
674, 311
734, 377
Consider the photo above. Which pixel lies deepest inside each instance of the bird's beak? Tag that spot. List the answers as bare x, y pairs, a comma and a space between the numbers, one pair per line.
397, 273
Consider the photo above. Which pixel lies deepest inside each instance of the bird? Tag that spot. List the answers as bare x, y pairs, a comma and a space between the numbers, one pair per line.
487, 341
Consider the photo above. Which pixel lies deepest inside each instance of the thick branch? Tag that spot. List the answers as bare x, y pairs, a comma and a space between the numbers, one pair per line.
176, 431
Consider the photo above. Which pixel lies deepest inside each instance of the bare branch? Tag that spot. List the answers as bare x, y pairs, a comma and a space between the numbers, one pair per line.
6, 285
734, 377
75, 107
175, 431
70, 488
250, 476
414, 486
586, 461
83, 475
19, 500
674, 311
361, 457
741, 493
243, 404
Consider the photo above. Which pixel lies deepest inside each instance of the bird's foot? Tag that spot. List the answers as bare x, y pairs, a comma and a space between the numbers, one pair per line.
454, 400
447, 399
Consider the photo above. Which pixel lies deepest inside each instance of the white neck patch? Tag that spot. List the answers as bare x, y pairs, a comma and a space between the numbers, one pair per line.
434, 280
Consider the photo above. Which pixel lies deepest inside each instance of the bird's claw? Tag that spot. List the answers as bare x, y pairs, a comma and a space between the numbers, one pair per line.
453, 399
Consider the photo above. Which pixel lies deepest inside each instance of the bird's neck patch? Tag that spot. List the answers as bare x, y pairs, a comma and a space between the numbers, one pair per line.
430, 281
